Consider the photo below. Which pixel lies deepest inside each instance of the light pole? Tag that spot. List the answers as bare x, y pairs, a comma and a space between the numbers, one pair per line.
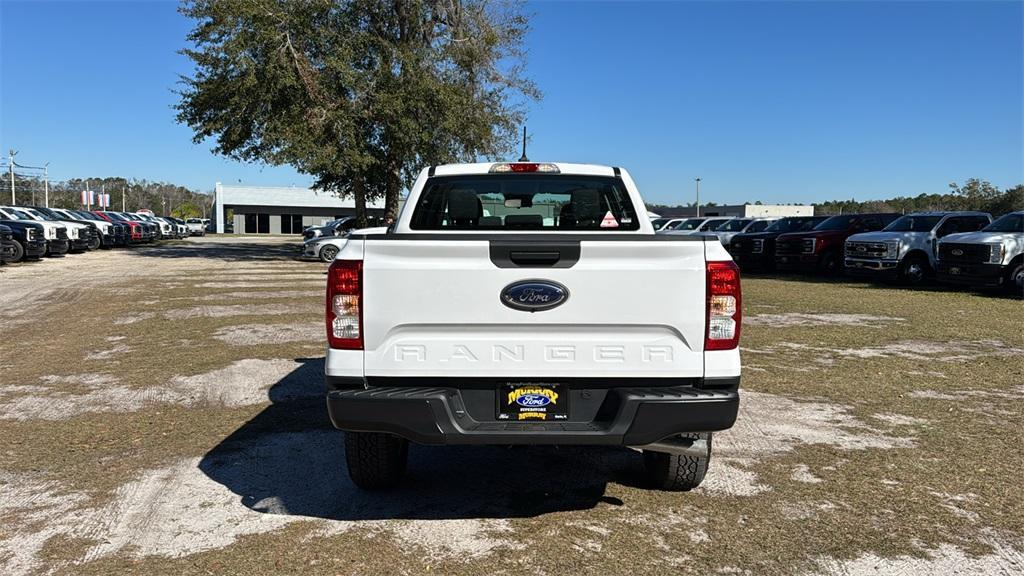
10, 163
697, 179
46, 184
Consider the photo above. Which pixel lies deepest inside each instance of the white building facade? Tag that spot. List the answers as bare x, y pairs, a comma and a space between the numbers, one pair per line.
278, 210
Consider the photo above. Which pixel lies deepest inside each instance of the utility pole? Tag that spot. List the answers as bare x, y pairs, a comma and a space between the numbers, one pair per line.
10, 164
698, 195
122, 198
46, 184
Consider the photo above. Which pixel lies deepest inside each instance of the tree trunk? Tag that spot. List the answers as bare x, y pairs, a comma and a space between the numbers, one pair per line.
359, 194
392, 190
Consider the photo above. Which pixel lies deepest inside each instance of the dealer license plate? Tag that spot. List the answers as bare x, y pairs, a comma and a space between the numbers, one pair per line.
526, 401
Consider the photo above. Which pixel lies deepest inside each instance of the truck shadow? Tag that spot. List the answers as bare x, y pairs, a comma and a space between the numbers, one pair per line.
290, 460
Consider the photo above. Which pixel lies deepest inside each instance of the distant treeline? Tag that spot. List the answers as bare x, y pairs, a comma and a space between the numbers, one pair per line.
160, 197
973, 194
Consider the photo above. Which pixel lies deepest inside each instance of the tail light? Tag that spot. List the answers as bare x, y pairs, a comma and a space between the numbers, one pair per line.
724, 306
345, 305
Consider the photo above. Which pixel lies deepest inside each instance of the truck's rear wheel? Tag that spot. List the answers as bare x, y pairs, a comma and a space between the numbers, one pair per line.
375, 461
675, 472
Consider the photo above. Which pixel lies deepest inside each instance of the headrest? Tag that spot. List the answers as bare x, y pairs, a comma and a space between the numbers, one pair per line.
587, 204
489, 222
463, 204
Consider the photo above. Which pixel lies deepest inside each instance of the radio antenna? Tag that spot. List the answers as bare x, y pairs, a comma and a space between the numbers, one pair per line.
523, 158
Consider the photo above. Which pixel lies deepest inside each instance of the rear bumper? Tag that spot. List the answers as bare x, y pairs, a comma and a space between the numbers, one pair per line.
971, 274
620, 416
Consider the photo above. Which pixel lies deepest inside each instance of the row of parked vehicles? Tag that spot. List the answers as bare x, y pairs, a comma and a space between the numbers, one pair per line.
956, 247
32, 232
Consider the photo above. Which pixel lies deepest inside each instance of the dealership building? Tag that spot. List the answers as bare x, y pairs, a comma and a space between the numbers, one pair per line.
278, 210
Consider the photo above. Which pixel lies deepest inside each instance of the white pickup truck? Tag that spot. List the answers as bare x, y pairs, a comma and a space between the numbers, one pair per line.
993, 256
531, 303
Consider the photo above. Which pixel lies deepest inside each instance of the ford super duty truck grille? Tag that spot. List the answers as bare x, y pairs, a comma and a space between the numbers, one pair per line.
967, 253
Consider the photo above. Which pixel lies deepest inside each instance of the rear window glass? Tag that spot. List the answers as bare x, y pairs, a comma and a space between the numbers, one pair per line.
524, 202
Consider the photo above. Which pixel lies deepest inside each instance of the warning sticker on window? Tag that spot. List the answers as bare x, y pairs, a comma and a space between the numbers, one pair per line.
609, 221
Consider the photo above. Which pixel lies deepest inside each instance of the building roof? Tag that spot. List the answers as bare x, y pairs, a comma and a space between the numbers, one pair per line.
284, 196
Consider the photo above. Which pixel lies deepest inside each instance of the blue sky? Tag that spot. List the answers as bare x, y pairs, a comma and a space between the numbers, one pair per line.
778, 102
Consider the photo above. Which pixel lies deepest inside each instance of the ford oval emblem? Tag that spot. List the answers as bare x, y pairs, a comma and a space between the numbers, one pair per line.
533, 400
957, 252
534, 295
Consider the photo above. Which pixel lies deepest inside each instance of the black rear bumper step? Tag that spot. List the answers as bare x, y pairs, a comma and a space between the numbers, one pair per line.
616, 416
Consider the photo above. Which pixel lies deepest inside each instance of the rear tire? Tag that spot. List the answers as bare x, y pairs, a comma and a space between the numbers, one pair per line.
376, 461
914, 270
677, 473
328, 253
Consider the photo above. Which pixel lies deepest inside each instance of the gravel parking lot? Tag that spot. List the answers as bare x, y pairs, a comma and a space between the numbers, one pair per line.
162, 413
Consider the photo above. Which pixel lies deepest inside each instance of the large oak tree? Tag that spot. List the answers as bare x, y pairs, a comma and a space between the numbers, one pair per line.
357, 93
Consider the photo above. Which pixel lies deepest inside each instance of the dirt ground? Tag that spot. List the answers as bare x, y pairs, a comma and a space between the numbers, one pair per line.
162, 412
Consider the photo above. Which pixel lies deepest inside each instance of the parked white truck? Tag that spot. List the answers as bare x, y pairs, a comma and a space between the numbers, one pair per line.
993, 256
531, 303
907, 249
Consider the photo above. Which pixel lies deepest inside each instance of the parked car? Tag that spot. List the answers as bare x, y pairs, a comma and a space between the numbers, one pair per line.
906, 250
696, 225
150, 230
665, 223
518, 338
196, 226
55, 235
821, 250
7, 246
80, 236
164, 229
756, 250
727, 230
88, 232
323, 248
29, 239
183, 230
993, 256
338, 227
137, 232
111, 233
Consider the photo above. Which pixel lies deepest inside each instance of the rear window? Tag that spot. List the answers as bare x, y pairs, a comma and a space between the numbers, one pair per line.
524, 202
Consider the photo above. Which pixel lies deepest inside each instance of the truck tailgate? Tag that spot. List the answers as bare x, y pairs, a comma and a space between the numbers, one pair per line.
432, 308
